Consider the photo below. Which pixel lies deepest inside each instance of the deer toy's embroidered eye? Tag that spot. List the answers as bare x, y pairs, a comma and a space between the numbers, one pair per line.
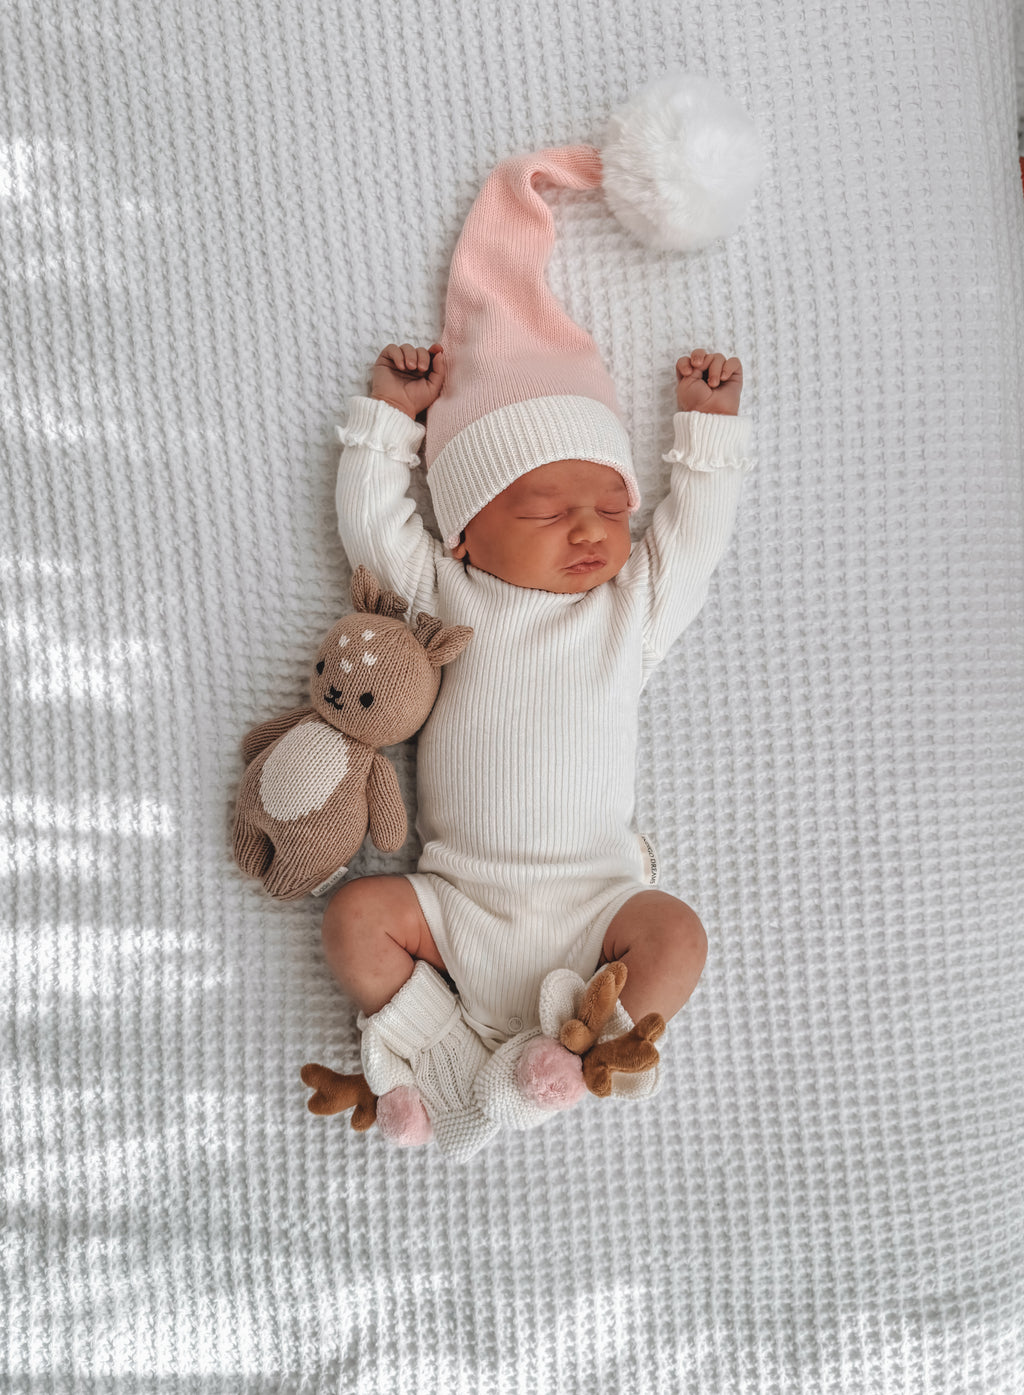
320, 666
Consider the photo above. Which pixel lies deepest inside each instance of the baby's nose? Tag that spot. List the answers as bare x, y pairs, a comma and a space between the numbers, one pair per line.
587, 526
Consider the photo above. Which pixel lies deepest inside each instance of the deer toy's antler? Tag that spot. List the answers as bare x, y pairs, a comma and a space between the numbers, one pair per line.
368, 596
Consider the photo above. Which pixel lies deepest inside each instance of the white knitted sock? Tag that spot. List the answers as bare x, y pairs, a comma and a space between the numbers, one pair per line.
421, 1038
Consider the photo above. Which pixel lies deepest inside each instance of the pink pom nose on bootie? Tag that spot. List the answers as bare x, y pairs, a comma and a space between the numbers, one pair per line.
548, 1075
402, 1118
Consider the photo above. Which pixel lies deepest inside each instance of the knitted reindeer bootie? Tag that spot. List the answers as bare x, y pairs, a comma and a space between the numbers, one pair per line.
419, 1044
586, 1042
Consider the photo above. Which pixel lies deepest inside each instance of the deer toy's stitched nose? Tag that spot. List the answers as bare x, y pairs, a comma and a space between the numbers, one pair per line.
366, 699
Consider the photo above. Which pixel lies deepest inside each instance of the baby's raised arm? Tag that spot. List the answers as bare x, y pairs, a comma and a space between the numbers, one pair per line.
670, 569
377, 520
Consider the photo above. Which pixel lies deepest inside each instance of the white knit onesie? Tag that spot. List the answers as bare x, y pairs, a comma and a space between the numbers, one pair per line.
526, 765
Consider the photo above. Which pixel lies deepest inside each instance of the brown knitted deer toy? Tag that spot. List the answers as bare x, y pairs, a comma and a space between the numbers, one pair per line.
315, 779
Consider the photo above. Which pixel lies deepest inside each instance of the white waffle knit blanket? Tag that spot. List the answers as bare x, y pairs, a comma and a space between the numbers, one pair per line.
212, 217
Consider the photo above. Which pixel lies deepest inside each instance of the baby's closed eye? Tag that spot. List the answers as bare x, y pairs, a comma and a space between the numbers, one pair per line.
552, 517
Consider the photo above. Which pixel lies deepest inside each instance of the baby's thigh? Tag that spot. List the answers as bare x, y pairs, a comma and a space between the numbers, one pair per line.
366, 910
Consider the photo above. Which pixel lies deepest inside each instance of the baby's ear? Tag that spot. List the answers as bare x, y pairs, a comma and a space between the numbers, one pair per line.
446, 642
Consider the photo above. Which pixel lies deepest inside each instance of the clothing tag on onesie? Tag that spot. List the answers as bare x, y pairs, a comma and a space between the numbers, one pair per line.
650, 858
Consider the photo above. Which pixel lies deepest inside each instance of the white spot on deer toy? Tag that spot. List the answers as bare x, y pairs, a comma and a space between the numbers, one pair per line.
315, 780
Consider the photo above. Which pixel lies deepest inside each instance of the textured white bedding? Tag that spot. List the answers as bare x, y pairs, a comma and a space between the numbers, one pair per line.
211, 219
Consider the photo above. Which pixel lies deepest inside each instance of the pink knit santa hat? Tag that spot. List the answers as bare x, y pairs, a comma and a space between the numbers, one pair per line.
525, 385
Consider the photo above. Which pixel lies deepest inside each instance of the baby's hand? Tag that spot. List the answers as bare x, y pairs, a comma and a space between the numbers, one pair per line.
410, 379
709, 383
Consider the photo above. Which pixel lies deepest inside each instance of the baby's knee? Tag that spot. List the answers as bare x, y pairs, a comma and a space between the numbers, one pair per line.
352, 913
675, 943
367, 910
689, 934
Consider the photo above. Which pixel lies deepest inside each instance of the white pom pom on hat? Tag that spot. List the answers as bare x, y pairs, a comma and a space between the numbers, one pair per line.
681, 160
524, 384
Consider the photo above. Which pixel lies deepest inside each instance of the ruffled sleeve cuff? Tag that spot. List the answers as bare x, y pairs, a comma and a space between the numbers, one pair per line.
381, 427
705, 441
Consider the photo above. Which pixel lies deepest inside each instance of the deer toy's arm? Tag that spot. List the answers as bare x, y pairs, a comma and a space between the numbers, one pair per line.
388, 823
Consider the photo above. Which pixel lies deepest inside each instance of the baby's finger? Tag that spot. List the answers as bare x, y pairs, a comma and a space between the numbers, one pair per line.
715, 369
697, 357
408, 360
684, 367
422, 360
733, 369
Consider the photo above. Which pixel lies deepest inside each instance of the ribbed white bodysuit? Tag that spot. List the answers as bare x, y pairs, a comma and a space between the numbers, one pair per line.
526, 765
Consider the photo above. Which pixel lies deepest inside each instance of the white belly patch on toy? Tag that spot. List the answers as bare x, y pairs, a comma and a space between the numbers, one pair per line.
304, 770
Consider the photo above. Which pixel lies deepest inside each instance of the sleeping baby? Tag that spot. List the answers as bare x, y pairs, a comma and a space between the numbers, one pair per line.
531, 860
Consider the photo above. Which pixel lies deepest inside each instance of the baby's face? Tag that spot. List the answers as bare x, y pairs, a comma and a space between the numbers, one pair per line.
561, 527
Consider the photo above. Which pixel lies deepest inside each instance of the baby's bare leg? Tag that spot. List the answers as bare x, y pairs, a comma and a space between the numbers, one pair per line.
663, 945
373, 933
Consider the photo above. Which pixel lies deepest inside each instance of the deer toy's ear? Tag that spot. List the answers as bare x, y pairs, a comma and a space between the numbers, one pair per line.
447, 643
427, 627
367, 595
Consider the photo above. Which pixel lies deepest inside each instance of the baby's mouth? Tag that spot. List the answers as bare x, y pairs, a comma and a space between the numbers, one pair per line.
586, 564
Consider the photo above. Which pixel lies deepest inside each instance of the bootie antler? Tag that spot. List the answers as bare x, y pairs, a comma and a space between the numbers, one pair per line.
579, 1033
632, 1053
335, 1093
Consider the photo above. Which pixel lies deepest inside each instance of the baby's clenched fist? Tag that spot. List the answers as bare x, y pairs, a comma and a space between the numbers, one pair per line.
709, 383
407, 377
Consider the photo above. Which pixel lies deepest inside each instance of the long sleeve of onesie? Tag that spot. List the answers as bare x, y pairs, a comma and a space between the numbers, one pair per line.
377, 520
670, 569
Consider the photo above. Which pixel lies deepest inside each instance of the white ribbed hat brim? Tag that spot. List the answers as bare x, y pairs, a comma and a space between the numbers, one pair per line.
492, 452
